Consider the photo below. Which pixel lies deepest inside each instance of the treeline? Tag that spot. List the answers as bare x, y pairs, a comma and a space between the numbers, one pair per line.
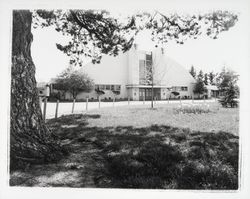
226, 82
209, 78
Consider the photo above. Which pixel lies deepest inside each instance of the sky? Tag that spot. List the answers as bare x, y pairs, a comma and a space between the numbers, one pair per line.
203, 53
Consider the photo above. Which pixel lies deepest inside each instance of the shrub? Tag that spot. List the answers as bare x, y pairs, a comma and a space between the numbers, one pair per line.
207, 175
195, 109
155, 165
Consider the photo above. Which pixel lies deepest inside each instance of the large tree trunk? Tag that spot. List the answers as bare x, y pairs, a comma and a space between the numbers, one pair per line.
30, 140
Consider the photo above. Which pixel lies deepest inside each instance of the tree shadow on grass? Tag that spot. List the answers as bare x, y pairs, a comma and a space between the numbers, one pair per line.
166, 157
157, 156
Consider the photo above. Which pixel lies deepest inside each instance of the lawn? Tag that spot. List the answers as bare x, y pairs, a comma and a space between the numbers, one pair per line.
137, 147
217, 119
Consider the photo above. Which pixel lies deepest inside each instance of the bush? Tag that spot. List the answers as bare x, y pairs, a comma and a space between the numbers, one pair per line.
153, 167
227, 101
194, 109
54, 97
208, 175
179, 160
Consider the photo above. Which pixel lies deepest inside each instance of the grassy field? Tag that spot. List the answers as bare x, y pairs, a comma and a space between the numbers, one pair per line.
137, 147
217, 119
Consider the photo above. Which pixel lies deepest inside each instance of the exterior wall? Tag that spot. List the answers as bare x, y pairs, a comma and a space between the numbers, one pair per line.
164, 93
111, 70
130, 93
135, 94
133, 67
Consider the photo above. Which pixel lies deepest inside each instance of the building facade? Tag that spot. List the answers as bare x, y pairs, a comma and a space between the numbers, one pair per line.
130, 75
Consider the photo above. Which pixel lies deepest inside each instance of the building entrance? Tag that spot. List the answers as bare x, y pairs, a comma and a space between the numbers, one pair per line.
147, 93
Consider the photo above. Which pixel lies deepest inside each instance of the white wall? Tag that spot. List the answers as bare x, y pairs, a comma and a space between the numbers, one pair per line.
111, 70
133, 66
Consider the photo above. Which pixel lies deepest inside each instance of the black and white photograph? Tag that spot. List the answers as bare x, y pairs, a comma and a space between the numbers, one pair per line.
126, 97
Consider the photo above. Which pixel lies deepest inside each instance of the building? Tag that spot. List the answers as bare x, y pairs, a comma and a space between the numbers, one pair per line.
43, 89
212, 91
128, 76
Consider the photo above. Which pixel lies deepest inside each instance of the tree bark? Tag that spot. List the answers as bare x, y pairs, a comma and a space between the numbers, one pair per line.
30, 139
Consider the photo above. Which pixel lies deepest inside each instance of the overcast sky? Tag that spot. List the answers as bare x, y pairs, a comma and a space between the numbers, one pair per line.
203, 53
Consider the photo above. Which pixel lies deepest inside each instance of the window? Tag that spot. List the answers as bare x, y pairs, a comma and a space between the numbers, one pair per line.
176, 88
148, 60
117, 87
148, 92
101, 87
142, 72
184, 88
145, 63
149, 57
108, 87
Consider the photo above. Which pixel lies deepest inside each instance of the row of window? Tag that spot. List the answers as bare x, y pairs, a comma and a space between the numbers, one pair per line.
144, 66
110, 87
179, 88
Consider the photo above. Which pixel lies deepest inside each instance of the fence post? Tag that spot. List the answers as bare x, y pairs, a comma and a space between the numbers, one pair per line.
87, 101
128, 100
99, 102
192, 98
143, 98
44, 108
180, 102
73, 106
113, 101
57, 104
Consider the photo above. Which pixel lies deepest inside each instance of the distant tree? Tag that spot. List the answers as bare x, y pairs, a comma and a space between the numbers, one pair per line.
199, 88
74, 81
230, 95
200, 76
227, 84
225, 78
211, 77
205, 79
193, 72
116, 92
99, 92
